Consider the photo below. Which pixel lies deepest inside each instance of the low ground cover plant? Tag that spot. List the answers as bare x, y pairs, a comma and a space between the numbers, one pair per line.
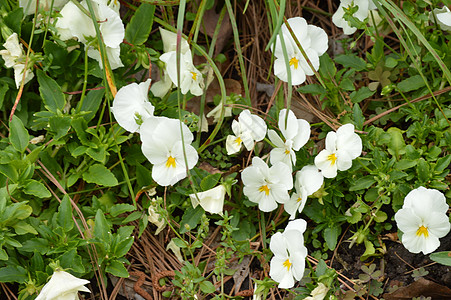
219, 149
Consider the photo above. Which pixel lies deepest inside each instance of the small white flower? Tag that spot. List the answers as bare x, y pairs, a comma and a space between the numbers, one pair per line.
267, 186
131, 106
296, 133
155, 218
313, 40
29, 6
308, 180
443, 17
242, 137
254, 124
176, 250
162, 145
318, 293
216, 112
211, 200
14, 57
423, 220
362, 13
288, 262
169, 39
190, 78
63, 285
162, 87
341, 148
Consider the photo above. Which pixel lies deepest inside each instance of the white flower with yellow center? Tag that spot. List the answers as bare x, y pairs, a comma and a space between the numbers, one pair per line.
308, 180
63, 285
313, 40
288, 262
341, 148
267, 186
423, 220
131, 106
190, 78
162, 145
211, 200
296, 133
254, 124
14, 57
242, 137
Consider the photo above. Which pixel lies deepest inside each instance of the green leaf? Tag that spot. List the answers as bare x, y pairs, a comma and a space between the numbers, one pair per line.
23, 227
443, 258
102, 227
361, 94
397, 146
362, 183
132, 217
18, 135
71, 260
121, 208
100, 175
411, 84
314, 89
92, 103
331, 236
64, 216
404, 164
210, 181
140, 25
14, 20
358, 116
369, 250
191, 218
443, 163
123, 247
10, 172
207, 287
13, 274
351, 61
36, 188
423, 170
117, 268
59, 125
327, 67
51, 92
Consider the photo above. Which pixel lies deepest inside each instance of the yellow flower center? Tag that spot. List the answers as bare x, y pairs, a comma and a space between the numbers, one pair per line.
423, 230
264, 188
294, 62
332, 158
287, 264
193, 75
238, 141
170, 162
299, 199
287, 152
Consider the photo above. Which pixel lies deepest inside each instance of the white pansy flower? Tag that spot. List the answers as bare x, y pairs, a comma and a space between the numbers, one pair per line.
288, 262
29, 6
443, 17
74, 23
313, 40
362, 13
14, 57
267, 186
423, 220
318, 293
296, 133
190, 78
254, 124
242, 137
63, 285
341, 148
162, 145
131, 106
308, 180
211, 200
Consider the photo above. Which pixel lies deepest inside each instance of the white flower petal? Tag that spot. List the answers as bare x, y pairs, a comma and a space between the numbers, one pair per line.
211, 200
61, 284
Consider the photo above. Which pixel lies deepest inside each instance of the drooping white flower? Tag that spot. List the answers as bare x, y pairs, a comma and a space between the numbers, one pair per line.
162, 87
267, 186
190, 78
14, 57
176, 250
162, 145
288, 262
296, 133
443, 17
423, 220
362, 13
131, 106
63, 285
318, 293
74, 23
211, 200
341, 148
29, 6
242, 137
169, 39
313, 40
155, 218
254, 124
216, 112
308, 180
